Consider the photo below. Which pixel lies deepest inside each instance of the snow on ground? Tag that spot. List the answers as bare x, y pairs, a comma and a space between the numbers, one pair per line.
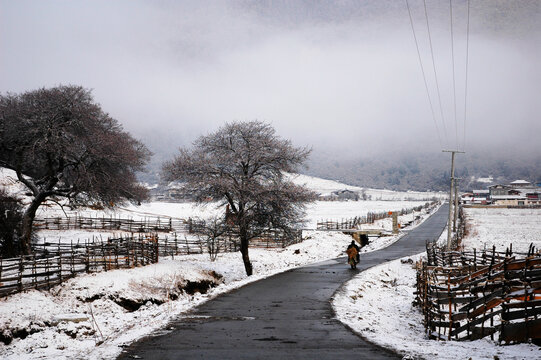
396, 324
378, 305
95, 300
113, 326
500, 227
341, 210
10, 183
317, 211
145, 210
324, 186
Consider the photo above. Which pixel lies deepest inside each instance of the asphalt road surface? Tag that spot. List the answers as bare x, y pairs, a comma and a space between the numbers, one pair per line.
286, 316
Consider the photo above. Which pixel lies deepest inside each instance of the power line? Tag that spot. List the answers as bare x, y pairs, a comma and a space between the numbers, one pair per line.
453, 65
466, 78
424, 75
435, 73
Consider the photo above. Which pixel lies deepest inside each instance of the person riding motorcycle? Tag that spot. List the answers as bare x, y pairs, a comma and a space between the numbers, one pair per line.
354, 244
353, 255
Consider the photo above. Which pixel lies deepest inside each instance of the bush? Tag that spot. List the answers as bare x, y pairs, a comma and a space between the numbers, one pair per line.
11, 215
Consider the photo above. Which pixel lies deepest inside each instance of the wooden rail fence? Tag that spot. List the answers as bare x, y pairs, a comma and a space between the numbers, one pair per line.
53, 263
354, 223
471, 295
145, 225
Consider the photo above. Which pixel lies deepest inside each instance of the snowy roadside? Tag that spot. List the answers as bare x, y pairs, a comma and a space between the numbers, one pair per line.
378, 303
101, 302
94, 315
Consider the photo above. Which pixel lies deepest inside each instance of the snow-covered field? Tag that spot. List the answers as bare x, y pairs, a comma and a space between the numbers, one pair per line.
105, 326
92, 316
319, 210
500, 227
324, 186
395, 323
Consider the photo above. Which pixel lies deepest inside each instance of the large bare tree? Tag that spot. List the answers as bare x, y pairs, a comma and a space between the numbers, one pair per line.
63, 145
243, 165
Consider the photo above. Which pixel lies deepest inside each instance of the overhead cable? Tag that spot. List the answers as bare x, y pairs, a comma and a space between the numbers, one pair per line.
435, 73
466, 77
453, 65
424, 76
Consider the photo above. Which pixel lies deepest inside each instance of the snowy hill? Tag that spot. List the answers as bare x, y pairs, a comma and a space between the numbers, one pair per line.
11, 185
323, 186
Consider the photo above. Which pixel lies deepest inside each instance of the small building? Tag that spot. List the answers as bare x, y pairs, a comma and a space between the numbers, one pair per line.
498, 189
466, 198
509, 200
533, 198
485, 194
521, 184
346, 195
340, 195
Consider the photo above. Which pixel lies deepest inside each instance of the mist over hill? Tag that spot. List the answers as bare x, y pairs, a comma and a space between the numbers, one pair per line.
404, 170
427, 171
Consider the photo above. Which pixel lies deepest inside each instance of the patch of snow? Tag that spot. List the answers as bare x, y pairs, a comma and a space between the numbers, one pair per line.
485, 180
396, 324
501, 227
110, 325
324, 186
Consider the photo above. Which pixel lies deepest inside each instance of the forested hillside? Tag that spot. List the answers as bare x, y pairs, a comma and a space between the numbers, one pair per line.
427, 171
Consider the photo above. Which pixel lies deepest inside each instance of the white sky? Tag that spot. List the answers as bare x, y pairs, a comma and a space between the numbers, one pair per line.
328, 74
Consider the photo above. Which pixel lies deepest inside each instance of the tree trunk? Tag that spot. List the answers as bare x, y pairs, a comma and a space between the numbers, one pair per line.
27, 225
244, 251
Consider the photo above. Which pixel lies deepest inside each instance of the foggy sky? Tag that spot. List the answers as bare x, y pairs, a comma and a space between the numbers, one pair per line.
342, 76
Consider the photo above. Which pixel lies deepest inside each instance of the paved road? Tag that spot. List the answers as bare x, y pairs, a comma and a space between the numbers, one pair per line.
286, 316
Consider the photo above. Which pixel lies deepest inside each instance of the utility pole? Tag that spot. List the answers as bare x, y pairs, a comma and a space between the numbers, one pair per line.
456, 204
450, 219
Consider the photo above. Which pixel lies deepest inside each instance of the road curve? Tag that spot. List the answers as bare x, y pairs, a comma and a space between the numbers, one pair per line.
286, 316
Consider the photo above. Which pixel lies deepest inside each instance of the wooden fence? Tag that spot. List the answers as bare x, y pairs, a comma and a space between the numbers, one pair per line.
354, 223
471, 295
229, 242
53, 263
145, 225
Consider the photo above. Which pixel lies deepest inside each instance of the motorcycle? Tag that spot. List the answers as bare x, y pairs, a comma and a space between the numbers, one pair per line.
352, 261
353, 258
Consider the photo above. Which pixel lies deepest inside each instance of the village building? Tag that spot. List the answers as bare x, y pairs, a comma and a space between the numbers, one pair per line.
340, 195
498, 189
509, 200
481, 197
522, 184
516, 193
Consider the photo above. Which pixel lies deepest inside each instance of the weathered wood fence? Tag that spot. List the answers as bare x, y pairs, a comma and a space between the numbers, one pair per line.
471, 295
53, 263
145, 225
354, 223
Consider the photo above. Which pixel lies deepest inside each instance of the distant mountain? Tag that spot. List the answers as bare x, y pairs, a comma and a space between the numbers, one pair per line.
427, 171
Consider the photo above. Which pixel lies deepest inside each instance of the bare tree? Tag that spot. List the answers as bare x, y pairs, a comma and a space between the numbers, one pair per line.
243, 165
210, 233
63, 145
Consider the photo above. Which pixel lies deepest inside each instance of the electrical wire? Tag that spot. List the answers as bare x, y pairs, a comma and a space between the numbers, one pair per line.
424, 75
435, 74
466, 77
453, 65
